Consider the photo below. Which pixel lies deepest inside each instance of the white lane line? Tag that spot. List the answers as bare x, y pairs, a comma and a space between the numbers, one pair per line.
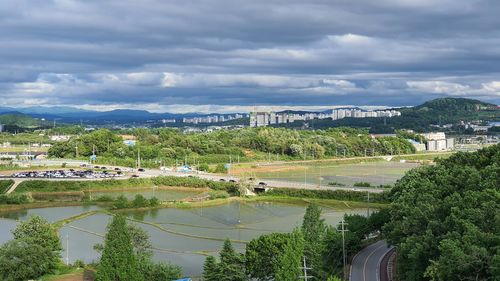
366, 260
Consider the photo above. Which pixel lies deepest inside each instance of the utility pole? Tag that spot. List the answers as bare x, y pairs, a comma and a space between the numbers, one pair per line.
343, 230
305, 277
67, 248
368, 200
138, 158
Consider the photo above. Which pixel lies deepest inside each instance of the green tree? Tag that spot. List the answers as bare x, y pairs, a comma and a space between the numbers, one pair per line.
118, 260
232, 264
444, 218
40, 231
160, 271
314, 231
262, 256
211, 270
291, 258
23, 259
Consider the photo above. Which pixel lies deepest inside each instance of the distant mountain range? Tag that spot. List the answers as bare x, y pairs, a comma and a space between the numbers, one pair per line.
432, 112
75, 115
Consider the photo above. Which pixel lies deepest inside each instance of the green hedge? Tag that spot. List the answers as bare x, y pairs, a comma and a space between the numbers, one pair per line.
14, 199
58, 186
196, 182
63, 185
5, 185
329, 194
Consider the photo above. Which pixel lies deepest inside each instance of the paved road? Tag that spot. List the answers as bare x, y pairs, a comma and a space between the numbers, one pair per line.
156, 172
366, 264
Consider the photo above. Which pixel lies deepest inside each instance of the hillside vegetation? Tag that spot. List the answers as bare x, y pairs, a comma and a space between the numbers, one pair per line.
20, 122
170, 145
445, 219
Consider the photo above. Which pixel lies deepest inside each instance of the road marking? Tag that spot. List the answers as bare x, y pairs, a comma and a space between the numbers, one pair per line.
366, 261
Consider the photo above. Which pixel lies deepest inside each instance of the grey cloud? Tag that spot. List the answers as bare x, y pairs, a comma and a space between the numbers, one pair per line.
230, 53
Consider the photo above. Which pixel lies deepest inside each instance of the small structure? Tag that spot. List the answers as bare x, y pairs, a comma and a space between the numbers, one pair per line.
438, 142
418, 146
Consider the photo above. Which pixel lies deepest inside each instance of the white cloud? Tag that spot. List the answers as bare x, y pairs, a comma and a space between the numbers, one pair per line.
439, 87
493, 86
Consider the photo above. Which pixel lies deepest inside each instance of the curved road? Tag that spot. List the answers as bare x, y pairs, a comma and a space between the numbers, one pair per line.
366, 264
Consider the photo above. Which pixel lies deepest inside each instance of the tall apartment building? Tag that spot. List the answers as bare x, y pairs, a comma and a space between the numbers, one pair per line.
259, 119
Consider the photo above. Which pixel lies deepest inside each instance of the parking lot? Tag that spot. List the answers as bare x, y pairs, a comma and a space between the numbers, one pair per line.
68, 174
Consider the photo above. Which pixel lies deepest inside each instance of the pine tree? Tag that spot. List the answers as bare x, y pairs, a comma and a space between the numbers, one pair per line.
211, 269
314, 230
231, 266
118, 260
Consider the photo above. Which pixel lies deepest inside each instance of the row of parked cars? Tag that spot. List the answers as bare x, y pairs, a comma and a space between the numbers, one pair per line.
71, 173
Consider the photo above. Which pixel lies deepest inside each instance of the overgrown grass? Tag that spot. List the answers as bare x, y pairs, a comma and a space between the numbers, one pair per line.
343, 195
62, 185
5, 185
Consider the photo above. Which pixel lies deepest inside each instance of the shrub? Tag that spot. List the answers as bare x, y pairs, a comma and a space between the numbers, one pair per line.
121, 202
104, 198
14, 199
204, 167
362, 184
5, 185
140, 201
153, 202
220, 168
79, 264
216, 194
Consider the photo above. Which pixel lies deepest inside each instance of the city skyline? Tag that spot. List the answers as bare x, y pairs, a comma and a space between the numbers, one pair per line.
229, 56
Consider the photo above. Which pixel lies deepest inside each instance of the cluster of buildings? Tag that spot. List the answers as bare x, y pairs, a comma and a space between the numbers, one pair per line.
213, 118
434, 142
259, 119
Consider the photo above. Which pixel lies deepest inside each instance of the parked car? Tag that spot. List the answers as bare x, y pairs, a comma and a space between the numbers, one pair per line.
262, 183
141, 170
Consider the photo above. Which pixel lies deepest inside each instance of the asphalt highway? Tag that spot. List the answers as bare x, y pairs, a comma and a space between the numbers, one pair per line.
366, 264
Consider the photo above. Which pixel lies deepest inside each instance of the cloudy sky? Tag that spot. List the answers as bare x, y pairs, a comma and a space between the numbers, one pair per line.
230, 55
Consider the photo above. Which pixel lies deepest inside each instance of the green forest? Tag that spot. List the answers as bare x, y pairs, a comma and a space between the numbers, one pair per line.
445, 219
169, 146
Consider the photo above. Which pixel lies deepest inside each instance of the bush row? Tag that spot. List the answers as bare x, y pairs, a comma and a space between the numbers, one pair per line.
330, 194
139, 202
231, 187
15, 199
63, 185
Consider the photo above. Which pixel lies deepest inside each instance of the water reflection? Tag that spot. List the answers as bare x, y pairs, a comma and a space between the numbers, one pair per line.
181, 236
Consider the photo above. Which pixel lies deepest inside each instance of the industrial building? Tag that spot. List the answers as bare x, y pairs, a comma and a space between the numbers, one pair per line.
438, 142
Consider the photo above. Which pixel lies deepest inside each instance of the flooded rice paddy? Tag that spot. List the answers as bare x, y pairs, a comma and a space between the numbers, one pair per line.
181, 236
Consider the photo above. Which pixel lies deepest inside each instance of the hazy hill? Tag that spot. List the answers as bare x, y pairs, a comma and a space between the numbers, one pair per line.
19, 120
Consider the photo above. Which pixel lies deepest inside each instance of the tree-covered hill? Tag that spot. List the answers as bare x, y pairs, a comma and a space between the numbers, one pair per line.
419, 118
18, 122
445, 219
169, 145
